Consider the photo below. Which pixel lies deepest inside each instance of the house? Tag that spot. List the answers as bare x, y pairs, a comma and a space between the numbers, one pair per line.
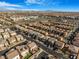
12, 40
1, 38
52, 40
17, 17
2, 45
2, 57
1, 30
19, 37
66, 33
5, 35
23, 50
78, 56
33, 47
73, 48
61, 39
76, 40
59, 44
6, 44
12, 33
7, 29
12, 54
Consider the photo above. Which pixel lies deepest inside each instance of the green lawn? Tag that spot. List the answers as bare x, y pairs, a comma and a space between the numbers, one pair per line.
28, 56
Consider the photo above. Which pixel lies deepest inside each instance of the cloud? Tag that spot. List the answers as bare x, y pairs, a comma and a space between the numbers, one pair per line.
34, 1
22, 9
5, 4
8, 6
11, 8
44, 2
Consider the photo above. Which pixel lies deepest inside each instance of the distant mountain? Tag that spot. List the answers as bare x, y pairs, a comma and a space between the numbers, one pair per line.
3, 9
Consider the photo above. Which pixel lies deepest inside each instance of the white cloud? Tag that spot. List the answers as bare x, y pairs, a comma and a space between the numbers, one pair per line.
5, 4
22, 9
43, 2
8, 6
34, 1
11, 8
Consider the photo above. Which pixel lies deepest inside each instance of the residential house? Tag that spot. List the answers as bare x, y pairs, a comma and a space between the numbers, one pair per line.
2, 45
5, 35
19, 37
33, 47
73, 48
7, 29
1, 38
23, 50
2, 57
12, 54
78, 56
12, 33
6, 44
76, 40
1, 30
59, 44
12, 40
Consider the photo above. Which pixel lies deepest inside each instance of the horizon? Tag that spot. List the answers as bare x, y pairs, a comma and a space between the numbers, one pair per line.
40, 5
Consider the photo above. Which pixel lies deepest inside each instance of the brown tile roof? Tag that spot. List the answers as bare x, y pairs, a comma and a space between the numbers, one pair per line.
2, 57
11, 54
73, 48
12, 39
31, 44
22, 48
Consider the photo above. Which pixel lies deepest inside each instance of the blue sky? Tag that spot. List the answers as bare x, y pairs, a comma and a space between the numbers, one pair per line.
54, 5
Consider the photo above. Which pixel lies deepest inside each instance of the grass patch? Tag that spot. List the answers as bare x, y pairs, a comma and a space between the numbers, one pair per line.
28, 56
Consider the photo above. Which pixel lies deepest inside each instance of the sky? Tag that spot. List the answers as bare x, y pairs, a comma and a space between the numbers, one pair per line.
40, 5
